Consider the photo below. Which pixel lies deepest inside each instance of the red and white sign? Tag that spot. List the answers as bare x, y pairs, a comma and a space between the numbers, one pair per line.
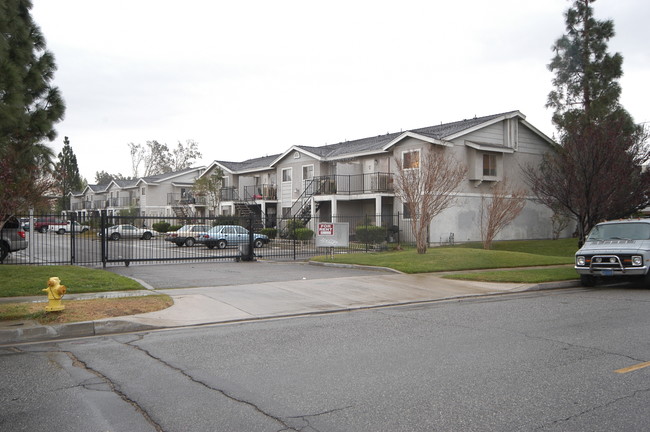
325, 229
333, 234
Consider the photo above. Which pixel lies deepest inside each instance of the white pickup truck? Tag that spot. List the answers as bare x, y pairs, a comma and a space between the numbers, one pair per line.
68, 226
618, 249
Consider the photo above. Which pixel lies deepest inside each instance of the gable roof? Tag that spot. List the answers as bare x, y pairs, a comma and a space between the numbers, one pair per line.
149, 180
159, 178
380, 143
250, 165
438, 134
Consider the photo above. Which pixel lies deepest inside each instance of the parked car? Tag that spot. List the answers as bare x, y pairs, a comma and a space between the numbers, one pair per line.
42, 225
12, 238
70, 226
615, 249
117, 232
221, 236
187, 234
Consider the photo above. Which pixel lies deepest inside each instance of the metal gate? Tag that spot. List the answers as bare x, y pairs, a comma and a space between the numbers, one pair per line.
103, 239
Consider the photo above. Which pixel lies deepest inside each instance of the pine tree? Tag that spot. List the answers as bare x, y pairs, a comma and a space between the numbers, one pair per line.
586, 75
596, 171
29, 108
66, 174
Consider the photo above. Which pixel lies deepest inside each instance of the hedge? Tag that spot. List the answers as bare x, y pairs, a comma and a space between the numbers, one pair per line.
371, 234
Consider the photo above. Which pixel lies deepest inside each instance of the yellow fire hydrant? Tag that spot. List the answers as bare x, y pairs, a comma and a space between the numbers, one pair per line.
55, 292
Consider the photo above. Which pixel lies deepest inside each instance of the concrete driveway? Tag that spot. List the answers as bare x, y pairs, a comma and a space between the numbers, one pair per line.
228, 273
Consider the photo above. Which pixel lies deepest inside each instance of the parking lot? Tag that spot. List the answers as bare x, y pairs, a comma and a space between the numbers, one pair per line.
88, 249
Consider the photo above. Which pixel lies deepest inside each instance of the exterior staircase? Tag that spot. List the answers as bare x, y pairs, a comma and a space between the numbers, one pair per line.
301, 208
182, 211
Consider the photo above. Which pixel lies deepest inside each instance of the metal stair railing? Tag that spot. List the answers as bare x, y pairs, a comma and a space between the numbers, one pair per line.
303, 203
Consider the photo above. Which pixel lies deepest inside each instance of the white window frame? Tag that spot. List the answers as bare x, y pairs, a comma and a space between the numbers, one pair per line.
492, 168
288, 170
406, 215
419, 152
303, 172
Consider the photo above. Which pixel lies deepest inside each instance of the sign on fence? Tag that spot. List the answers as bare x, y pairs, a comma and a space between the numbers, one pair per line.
333, 234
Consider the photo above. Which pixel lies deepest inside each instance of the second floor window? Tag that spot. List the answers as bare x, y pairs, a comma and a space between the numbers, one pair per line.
286, 175
411, 159
406, 211
307, 172
490, 165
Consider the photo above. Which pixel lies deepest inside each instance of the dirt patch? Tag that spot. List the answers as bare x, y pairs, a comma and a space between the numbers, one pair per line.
85, 310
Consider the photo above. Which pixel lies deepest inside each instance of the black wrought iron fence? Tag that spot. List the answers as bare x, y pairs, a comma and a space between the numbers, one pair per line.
106, 239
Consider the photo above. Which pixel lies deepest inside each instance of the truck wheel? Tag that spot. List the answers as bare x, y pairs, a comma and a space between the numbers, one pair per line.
61, 231
42, 229
587, 280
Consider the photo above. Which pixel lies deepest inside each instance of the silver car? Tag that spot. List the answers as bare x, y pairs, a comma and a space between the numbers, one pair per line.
187, 235
117, 232
222, 236
12, 238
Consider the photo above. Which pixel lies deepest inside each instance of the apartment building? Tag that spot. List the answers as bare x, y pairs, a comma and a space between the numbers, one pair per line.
355, 178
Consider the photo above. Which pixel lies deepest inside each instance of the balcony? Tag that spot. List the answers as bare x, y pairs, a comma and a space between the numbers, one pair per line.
176, 199
83, 205
229, 194
350, 184
120, 202
261, 192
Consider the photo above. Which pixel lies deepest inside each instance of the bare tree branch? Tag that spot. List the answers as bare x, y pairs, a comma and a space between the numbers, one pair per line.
498, 209
428, 188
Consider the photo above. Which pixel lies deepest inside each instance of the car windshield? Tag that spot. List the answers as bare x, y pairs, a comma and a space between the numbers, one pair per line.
622, 231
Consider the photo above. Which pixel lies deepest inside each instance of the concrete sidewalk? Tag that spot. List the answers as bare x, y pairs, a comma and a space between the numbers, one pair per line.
279, 298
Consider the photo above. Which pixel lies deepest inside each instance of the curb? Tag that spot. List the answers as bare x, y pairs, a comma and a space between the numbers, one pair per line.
354, 266
43, 333
554, 285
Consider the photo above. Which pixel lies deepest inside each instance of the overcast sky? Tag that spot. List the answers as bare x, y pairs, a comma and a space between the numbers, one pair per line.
251, 78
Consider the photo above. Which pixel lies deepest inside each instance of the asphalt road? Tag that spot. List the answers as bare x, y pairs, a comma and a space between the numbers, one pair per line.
538, 361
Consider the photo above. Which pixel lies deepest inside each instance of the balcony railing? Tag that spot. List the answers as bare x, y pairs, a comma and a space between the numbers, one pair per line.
118, 202
185, 199
83, 205
350, 184
229, 193
261, 192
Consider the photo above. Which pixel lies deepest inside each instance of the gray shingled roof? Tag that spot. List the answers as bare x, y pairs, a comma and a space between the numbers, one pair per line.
132, 183
160, 177
448, 129
378, 142
352, 147
250, 164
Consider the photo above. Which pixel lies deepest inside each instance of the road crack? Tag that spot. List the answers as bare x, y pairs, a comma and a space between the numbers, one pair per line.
592, 409
106, 381
514, 332
307, 417
283, 423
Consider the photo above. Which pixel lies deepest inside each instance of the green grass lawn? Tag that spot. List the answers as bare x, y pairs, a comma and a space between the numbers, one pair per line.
562, 247
472, 256
19, 280
531, 276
